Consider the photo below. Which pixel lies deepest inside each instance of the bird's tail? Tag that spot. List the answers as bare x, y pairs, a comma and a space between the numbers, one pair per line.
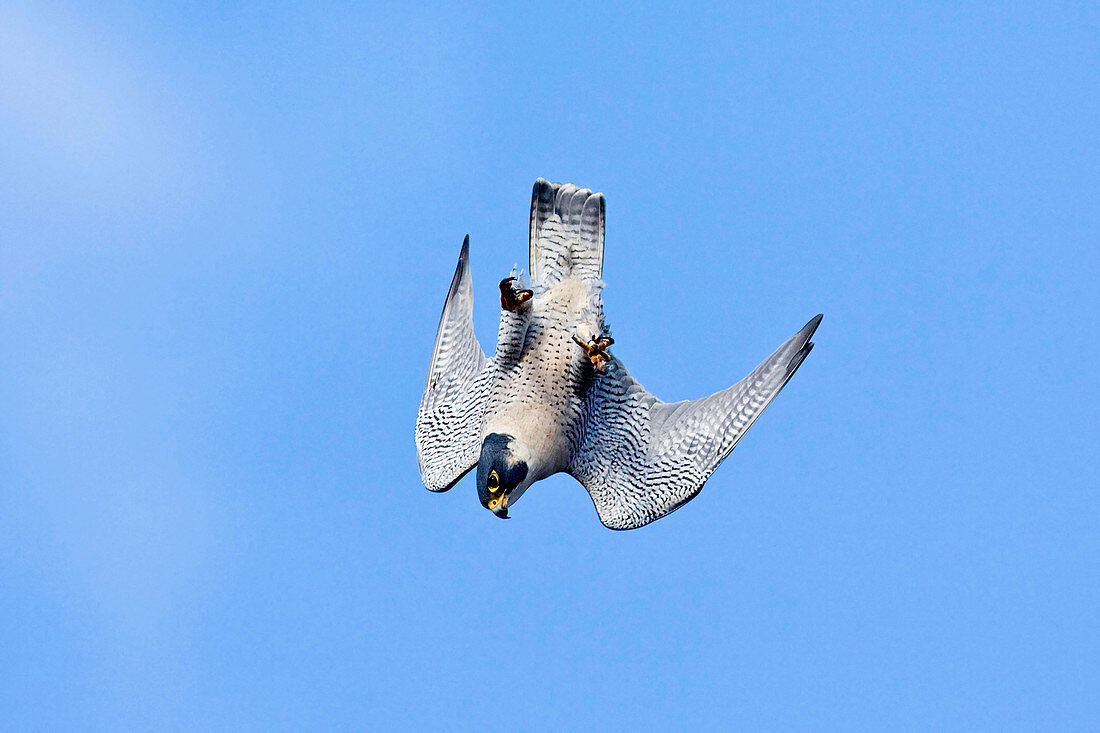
567, 226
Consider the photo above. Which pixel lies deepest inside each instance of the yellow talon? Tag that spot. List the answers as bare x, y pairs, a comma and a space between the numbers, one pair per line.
596, 350
512, 299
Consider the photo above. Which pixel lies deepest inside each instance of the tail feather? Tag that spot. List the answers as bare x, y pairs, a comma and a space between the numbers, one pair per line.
567, 232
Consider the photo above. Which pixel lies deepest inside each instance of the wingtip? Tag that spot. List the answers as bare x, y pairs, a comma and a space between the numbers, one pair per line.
807, 331
807, 346
461, 270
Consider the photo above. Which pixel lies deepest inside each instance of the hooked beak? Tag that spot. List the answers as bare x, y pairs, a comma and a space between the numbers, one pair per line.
499, 506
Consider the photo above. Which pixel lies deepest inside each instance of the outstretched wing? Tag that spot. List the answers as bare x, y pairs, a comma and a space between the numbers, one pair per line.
641, 458
459, 380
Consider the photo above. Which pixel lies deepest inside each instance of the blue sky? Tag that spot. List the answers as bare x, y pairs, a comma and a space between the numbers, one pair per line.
226, 233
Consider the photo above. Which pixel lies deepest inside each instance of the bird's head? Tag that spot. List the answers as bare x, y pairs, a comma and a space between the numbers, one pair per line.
501, 473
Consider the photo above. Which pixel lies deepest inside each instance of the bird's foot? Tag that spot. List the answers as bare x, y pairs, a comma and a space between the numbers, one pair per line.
512, 298
596, 349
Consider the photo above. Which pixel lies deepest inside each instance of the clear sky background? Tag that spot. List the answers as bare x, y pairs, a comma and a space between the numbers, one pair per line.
226, 233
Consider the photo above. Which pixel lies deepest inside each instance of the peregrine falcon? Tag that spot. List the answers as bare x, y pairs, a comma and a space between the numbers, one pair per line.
553, 398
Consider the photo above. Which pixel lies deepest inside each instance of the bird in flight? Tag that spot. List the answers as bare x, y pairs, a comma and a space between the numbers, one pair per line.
554, 398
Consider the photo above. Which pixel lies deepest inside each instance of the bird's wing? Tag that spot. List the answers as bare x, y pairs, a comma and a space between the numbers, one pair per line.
567, 229
459, 380
641, 458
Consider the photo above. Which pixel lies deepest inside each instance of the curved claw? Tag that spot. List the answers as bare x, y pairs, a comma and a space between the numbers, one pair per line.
596, 350
512, 299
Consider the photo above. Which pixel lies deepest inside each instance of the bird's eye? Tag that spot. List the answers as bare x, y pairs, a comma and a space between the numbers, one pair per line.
493, 482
